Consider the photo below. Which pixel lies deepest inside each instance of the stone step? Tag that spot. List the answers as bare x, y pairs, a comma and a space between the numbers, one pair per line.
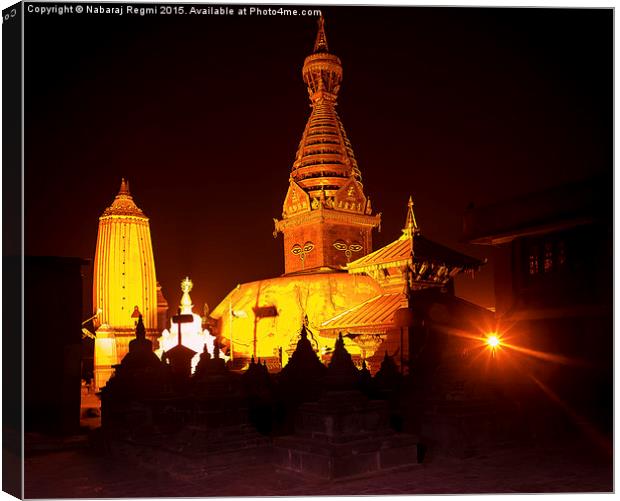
184, 444
331, 461
393, 440
191, 465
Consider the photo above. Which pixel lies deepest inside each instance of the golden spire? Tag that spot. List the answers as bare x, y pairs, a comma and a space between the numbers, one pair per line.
124, 190
186, 301
320, 45
322, 71
123, 204
325, 176
411, 226
325, 159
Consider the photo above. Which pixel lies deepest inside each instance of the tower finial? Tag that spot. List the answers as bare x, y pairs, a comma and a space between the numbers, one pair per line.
186, 302
124, 190
320, 45
123, 204
322, 71
411, 226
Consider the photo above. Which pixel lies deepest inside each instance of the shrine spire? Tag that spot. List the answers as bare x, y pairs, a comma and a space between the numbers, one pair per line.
325, 195
186, 301
124, 189
411, 225
123, 204
320, 45
325, 159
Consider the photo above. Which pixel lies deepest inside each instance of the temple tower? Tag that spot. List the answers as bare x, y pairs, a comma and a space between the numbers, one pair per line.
124, 282
327, 219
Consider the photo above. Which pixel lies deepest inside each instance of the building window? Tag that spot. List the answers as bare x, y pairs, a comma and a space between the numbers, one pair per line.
561, 254
548, 262
533, 260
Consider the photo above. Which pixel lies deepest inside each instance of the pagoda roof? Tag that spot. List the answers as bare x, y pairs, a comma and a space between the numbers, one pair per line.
376, 312
399, 252
180, 351
376, 315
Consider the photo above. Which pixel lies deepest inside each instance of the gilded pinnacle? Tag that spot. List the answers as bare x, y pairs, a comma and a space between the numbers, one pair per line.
186, 305
320, 45
411, 225
124, 189
123, 204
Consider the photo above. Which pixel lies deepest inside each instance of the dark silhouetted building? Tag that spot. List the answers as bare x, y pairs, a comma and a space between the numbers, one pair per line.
53, 343
553, 284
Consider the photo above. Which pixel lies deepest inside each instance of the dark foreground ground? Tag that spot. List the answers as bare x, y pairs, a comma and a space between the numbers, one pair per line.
572, 464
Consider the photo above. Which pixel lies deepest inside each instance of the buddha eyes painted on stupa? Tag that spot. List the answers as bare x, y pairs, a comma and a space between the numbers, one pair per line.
302, 251
348, 249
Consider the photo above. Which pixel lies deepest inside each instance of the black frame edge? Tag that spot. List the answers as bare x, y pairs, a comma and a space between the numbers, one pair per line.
12, 250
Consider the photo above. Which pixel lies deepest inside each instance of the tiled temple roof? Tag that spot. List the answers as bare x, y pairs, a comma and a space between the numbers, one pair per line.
377, 311
413, 248
423, 250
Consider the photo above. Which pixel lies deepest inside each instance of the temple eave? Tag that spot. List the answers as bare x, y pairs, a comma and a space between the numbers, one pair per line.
123, 215
378, 266
375, 329
326, 214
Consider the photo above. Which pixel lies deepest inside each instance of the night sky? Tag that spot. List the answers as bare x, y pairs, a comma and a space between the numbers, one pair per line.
203, 115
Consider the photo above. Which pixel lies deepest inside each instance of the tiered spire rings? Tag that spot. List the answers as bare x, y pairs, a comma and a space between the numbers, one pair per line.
325, 161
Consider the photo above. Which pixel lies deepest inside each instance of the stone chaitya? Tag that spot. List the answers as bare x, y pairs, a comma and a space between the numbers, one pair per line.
343, 433
139, 377
155, 413
304, 372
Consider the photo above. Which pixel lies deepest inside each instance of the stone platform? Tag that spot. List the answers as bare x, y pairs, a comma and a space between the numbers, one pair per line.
344, 434
194, 453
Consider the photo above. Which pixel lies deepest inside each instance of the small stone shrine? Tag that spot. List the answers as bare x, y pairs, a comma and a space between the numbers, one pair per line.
302, 377
258, 391
139, 376
216, 429
343, 433
388, 378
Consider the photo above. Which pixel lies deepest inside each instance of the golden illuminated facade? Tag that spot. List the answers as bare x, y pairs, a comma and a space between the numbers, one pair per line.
327, 221
263, 318
333, 281
124, 282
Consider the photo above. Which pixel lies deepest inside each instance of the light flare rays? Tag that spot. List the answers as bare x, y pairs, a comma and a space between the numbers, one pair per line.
492, 341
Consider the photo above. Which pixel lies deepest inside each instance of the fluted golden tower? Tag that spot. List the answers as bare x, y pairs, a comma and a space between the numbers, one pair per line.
124, 283
327, 219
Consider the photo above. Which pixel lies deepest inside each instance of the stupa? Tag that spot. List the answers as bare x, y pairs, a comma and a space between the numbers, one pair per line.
333, 281
327, 220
